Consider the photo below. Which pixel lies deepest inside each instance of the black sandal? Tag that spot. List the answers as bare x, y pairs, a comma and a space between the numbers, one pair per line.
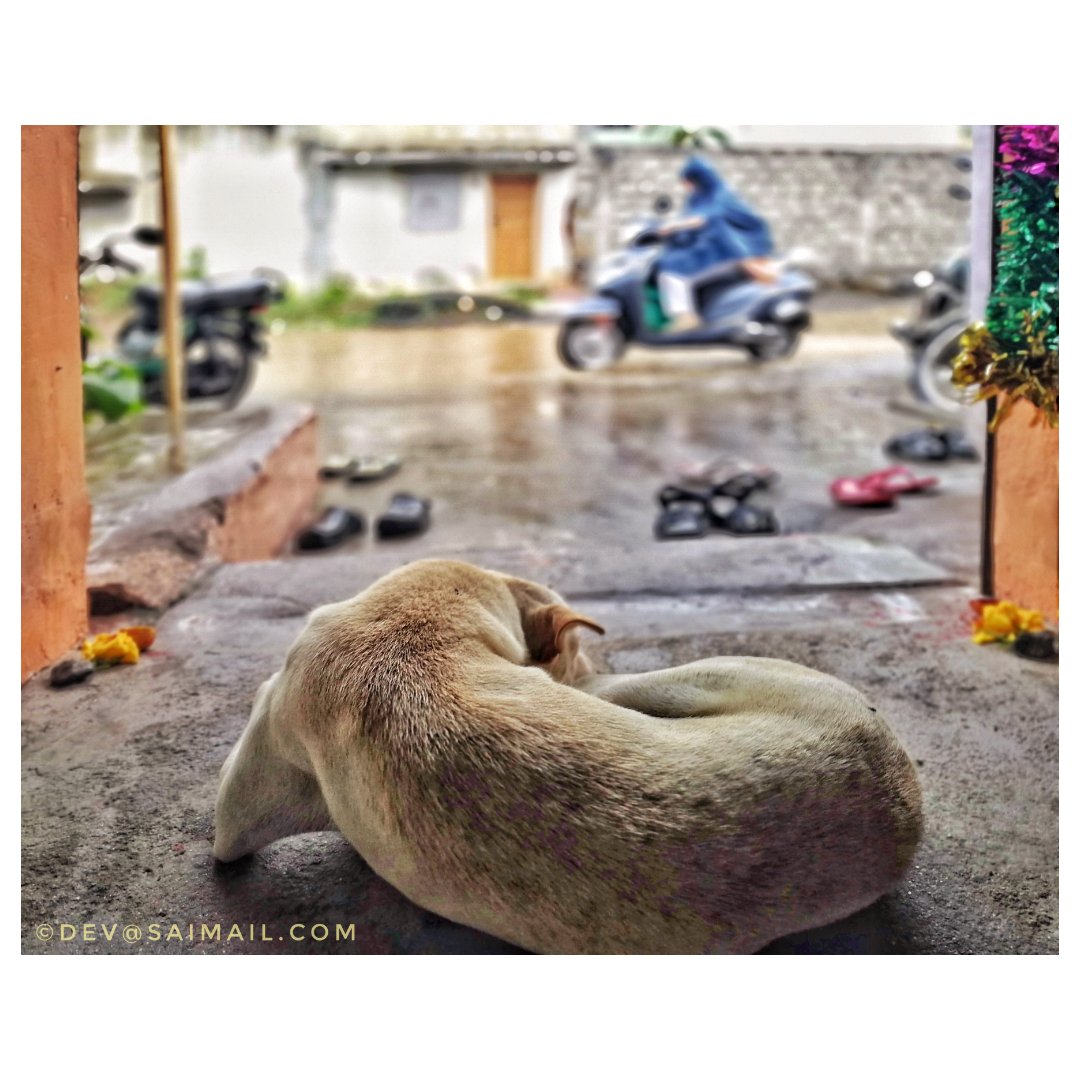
1041, 645
369, 469
335, 525
335, 467
407, 515
670, 494
958, 445
745, 520
681, 521
931, 444
918, 446
743, 485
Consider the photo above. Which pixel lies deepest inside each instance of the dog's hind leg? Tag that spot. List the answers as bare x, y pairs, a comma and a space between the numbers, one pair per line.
262, 797
672, 693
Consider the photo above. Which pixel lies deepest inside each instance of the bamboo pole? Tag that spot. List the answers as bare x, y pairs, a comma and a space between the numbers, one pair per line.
170, 301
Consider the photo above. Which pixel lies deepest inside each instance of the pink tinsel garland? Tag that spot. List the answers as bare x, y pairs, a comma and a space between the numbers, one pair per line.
1030, 148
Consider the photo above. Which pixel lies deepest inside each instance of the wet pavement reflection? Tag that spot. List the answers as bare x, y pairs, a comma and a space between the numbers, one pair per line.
514, 449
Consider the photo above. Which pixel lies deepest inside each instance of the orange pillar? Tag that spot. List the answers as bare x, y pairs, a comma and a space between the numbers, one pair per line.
1024, 511
55, 509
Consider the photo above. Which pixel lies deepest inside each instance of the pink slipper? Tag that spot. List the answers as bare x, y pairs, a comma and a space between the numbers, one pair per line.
900, 480
861, 491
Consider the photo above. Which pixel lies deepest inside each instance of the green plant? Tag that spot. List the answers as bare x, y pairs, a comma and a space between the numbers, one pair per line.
111, 389
525, 295
195, 265
109, 297
337, 303
700, 138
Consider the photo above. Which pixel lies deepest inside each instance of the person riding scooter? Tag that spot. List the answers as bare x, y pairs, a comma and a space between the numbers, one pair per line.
716, 226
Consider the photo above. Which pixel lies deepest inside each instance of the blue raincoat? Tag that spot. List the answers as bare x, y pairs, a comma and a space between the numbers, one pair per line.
731, 231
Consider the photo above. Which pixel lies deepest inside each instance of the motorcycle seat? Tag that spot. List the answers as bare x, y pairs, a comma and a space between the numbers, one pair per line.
212, 296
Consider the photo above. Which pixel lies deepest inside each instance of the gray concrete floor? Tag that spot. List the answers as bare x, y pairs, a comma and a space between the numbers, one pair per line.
553, 475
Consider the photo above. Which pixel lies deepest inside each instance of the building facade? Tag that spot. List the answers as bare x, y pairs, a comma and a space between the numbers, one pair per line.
387, 206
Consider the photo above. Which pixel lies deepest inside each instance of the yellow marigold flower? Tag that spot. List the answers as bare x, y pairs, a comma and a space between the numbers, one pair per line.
996, 623
117, 648
1031, 620
1002, 621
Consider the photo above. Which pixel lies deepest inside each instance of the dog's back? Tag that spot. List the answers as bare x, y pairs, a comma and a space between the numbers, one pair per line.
712, 807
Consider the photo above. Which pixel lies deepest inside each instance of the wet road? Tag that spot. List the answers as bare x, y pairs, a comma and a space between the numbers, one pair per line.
514, 450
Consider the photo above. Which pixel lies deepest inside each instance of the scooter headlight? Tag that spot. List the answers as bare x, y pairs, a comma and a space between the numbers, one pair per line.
788, 309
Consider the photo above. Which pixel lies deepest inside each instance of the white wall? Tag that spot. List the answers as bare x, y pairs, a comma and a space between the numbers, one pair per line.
556, 190
240, 198
243, 202
369, 237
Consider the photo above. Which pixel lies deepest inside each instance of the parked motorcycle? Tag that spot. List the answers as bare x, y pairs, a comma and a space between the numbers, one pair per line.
932, 336
223, 333
765, 320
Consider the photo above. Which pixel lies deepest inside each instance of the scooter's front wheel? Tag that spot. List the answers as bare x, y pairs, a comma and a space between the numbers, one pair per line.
585, 345
932, 377
779, 345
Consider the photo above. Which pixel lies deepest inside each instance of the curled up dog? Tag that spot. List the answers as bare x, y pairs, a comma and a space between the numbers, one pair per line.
448, 723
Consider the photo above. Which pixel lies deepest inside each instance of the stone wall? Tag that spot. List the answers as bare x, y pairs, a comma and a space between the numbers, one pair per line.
866, 215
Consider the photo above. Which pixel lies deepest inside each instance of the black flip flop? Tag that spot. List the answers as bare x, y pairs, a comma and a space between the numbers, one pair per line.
681, 521
743, 485
918, 446
407, 515
1041, 645
744, 520
369, 469
959, 446
335, 525
335, 467
670, 494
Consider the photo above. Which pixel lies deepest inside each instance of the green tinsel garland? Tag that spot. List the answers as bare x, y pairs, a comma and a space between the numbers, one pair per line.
1015, 352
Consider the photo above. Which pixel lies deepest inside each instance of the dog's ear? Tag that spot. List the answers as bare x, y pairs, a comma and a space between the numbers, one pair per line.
546, 621
547, 630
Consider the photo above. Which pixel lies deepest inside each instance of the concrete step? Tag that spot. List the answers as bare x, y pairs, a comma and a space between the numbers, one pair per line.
243, 503
764, 566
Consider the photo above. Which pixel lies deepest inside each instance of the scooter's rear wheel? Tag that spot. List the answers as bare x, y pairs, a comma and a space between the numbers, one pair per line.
585, 345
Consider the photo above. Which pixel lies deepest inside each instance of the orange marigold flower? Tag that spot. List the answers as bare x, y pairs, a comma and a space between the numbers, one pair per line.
143, 636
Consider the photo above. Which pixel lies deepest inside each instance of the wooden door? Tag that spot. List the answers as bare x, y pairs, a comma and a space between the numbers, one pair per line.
513, 215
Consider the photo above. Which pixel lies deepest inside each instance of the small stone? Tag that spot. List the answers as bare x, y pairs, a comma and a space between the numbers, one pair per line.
72, 670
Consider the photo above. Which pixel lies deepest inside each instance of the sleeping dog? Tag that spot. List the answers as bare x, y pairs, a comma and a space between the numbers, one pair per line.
447, 722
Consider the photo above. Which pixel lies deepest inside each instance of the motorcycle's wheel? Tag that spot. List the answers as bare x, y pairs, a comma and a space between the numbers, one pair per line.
219, 367
139, 345
779, 347
585, 345
932, 378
